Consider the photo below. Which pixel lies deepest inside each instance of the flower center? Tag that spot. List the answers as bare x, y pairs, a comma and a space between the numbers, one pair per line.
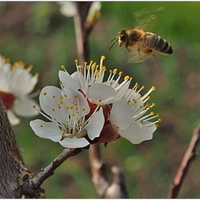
7, 99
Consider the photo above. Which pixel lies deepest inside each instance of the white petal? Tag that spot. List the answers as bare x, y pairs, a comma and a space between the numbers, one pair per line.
100, 93
24, 107
47, 130
120, 114
96, 6
50, 103
137, 133
76, 100
67, 8
78, 77
23, 82
68, 81
96, 124
12, 118
74, 142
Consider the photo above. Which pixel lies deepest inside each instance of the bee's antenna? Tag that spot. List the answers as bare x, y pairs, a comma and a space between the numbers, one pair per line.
115, 40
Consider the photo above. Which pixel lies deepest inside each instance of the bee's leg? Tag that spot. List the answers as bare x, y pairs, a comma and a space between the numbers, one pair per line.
150, 51
128, 49
139, 54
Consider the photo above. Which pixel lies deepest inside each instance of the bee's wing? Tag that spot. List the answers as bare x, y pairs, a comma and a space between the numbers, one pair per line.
146, 17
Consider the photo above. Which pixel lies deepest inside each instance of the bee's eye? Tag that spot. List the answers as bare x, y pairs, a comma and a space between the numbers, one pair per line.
123, 37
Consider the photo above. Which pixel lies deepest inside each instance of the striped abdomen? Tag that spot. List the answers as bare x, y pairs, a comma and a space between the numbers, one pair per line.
155, 42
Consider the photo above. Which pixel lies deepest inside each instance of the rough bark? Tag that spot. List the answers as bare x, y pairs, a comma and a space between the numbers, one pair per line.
13, 171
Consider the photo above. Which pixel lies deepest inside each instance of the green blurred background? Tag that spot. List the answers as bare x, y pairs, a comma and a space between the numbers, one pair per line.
36, 33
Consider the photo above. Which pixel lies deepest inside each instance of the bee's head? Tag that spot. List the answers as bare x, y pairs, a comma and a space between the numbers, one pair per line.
122, 38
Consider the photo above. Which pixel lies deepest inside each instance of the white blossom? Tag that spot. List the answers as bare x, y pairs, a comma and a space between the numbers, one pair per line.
70, 121
125, 107
16, 83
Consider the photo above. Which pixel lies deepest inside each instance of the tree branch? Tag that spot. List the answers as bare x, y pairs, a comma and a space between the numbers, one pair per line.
189, 156
13, 171
98, 170
81, 30
48, 171
99, 176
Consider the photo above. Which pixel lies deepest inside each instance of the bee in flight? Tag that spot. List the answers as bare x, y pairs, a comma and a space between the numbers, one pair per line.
143, 42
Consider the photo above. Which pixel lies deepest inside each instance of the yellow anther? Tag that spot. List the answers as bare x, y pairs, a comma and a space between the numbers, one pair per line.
53, 96
62, 67
91, 61
34, 106
137, 85
153, 88
97, 72
44, 93
5, 59
85, 63
100, 100
104, 68
80, 67
120, 73
29, 68
53, 109
37, 74
83, 109
103, 57
114, 71
41, 125
159, 120
151, 113
76, 61
126, 77
62, 132
60, 82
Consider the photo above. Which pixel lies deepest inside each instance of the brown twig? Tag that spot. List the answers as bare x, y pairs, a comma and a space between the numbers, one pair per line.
117, 189
48, 171
189, 156
98, 170
82, 30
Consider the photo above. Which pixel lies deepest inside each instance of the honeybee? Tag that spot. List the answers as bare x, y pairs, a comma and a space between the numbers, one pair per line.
143, 42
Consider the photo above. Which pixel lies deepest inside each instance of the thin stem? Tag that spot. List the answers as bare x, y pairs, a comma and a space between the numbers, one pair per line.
189, 156
49, 170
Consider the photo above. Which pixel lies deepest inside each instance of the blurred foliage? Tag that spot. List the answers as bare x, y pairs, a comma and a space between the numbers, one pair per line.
36, 33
